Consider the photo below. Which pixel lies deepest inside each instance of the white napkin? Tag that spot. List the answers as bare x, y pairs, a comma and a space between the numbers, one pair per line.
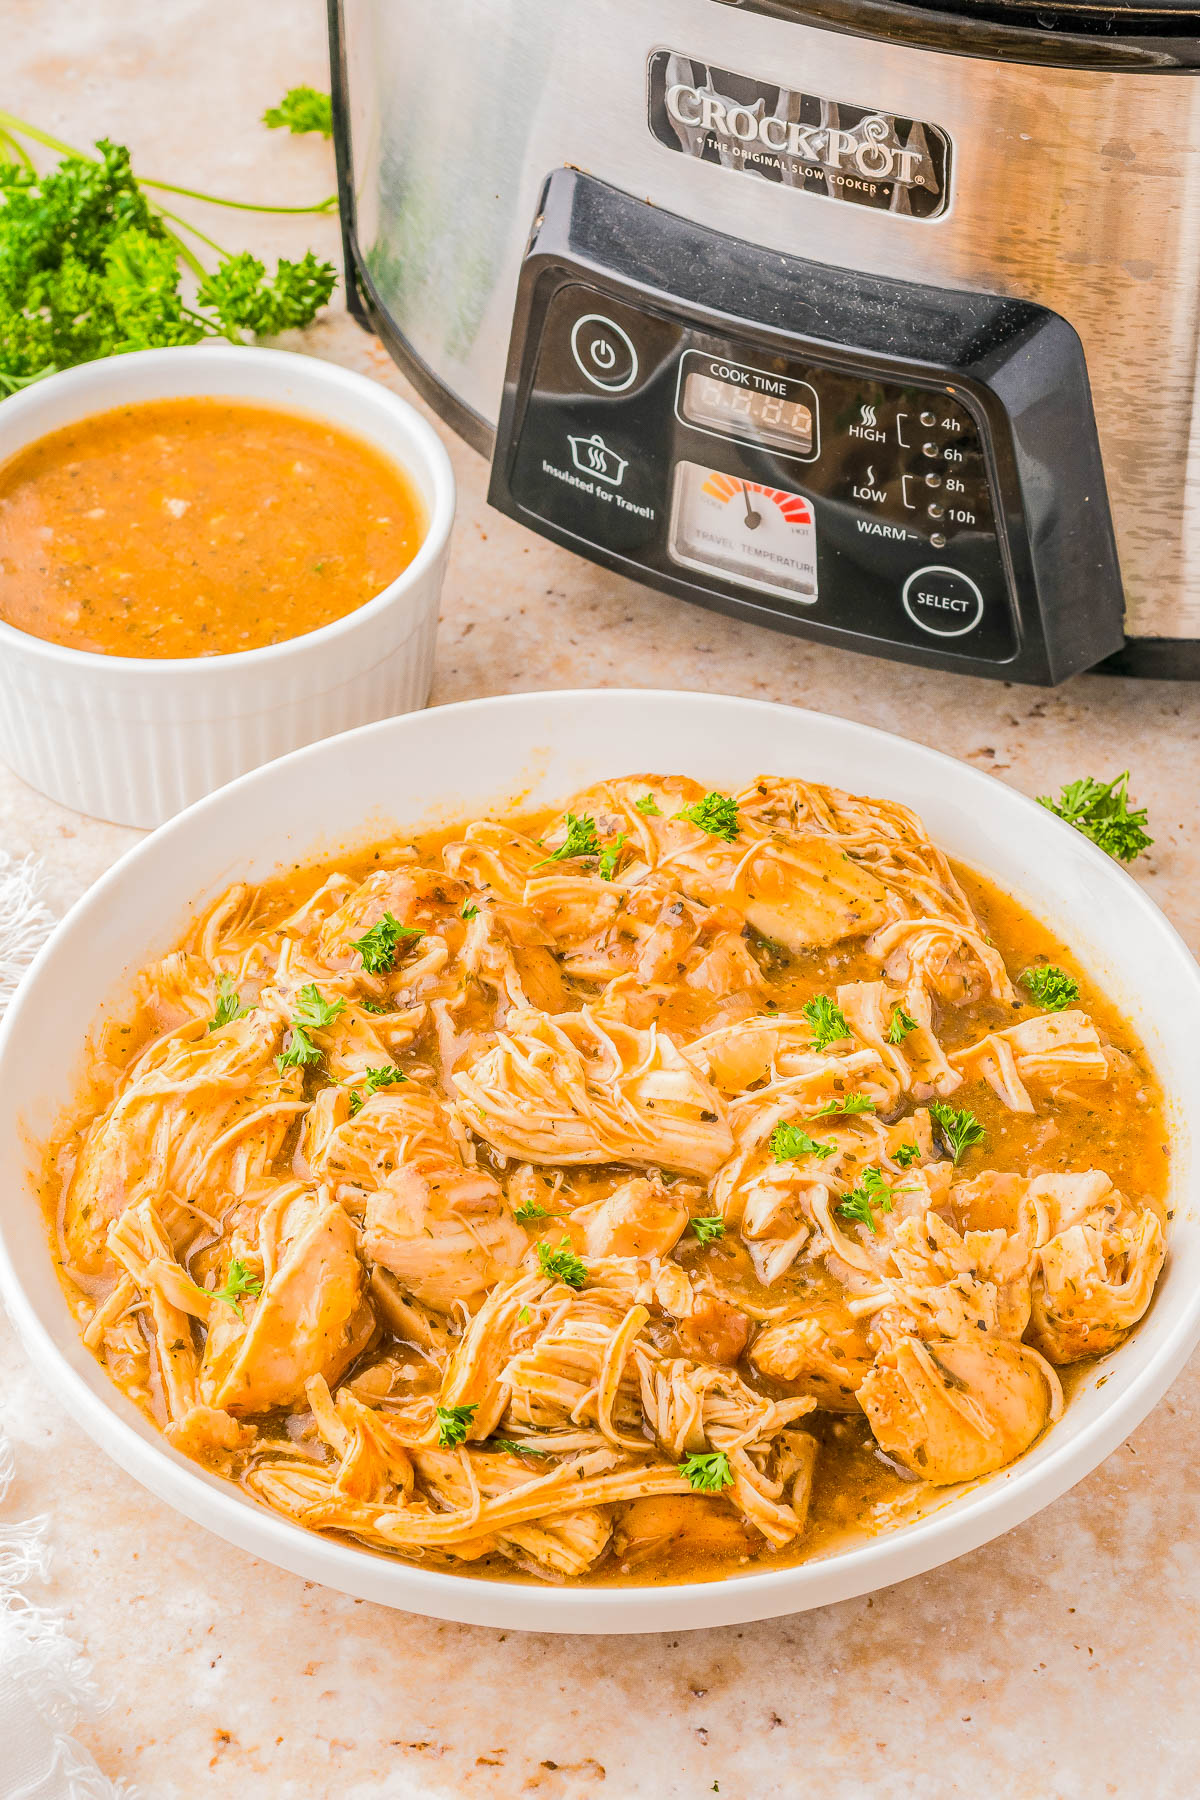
45, 1682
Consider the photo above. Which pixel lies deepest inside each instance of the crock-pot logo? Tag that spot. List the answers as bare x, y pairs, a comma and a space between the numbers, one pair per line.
827, 147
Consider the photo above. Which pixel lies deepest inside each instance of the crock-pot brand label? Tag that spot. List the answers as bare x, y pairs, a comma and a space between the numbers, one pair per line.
798, 140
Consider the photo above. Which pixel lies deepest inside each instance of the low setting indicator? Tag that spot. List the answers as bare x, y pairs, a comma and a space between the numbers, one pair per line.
763, 537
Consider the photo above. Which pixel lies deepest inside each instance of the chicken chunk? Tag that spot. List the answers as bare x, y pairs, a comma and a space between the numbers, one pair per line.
637, 1219
1093, 1285
956, 1409
825, 1354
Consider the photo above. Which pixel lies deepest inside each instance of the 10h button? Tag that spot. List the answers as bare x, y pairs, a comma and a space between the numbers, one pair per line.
942, 601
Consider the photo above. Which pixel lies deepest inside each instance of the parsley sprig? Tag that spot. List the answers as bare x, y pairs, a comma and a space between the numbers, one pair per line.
378, 947
707, 1472
871, 1191
229, 1005
581, 840
648, 806
708, 1229
906, 1155
312, 1013
562, 1264
238, 1285
828, 1021
373, 1080
959, 1129
1102, 812
301, 110
716, 813
453, 1423
787, 1142
90, 266
1051, 987
901, 1024
848, 1103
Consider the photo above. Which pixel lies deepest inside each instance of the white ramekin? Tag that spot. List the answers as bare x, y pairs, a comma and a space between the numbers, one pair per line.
135, 739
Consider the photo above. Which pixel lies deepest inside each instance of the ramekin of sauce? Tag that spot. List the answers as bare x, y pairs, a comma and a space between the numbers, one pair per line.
208, 557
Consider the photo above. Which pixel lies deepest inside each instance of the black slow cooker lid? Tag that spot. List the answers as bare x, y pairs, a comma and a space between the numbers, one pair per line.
1118, 34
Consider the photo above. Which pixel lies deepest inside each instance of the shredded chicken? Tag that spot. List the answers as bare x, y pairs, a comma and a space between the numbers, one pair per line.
523, 1199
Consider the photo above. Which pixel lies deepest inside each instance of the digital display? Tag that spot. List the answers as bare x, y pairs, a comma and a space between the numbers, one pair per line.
746, 412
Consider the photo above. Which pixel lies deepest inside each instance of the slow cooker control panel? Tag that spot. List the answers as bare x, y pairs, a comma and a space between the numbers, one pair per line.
813, 466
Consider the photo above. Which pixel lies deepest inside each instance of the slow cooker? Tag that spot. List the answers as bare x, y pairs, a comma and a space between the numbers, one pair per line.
876, 323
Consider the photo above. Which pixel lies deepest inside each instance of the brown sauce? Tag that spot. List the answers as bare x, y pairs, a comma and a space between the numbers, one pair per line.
198, 527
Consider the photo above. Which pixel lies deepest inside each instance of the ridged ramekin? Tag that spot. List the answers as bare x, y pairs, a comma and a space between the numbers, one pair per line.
136, 739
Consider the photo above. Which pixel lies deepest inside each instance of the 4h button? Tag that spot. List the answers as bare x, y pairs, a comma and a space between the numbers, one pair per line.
942, 601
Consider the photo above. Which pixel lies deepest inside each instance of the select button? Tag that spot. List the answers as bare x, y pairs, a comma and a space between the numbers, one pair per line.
942, 601
604, 353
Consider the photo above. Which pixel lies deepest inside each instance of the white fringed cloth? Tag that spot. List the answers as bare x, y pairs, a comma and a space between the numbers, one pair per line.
45, 1681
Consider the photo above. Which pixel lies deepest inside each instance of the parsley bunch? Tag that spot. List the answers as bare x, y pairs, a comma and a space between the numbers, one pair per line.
1051, 987
1101, 811
89, 266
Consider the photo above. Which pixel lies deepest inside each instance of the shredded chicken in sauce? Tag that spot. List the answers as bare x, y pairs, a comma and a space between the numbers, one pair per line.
640, 1193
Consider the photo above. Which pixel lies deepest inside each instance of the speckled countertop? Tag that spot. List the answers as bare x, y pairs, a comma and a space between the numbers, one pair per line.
1059, 1663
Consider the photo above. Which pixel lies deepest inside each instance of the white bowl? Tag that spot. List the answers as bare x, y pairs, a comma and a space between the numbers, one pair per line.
134, 739
473, 758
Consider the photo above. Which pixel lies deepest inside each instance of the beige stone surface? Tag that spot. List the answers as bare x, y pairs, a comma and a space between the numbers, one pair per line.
1056, 1664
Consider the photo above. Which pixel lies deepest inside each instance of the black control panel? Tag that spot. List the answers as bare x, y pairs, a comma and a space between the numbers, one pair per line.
907, 471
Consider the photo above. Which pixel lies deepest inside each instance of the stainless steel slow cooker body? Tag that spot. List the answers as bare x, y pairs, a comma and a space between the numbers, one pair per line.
1071, 179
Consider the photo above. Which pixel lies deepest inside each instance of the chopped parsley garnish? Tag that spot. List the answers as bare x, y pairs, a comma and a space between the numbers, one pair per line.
872, 1191
609, 858
1051, 987
229, 1006
827, 1019
906, 1155
1101, 811
562, 1264
708, 1229
902, 1023
850, 1103
453, 1423
301, 1052
314, 1010
648, 806
581, 840
378, 946
524, 1316
373, 1006
470, 910
512, 1448
787, 1142
716, 813
531, 1210
959, 1129
373, 1080
302, 109
238, 1284
707, 1472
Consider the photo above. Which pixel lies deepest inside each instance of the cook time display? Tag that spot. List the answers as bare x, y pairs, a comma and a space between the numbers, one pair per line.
734, 399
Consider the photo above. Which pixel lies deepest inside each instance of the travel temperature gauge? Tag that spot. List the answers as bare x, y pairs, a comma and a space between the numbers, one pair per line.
763, 537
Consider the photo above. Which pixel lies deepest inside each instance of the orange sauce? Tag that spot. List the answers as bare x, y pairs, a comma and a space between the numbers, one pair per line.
198, 527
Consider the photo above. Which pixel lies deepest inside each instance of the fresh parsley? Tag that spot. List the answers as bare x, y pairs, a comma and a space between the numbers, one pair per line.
849, 1103
959, 1130
530, 1211
379, 945
301, 110
581, 840
708, 1229
229, 1005
787, 1142
239, 1284
906, 1155
512, 1448
827, 1019
872, 1191
314, 1011
1051, 987
1102, 812
562, 1264
609, 858
453, 1423
716, 813
470, 910
708, 1472
372, 1081
300, 1053
89, 266
901, 1024
648, 806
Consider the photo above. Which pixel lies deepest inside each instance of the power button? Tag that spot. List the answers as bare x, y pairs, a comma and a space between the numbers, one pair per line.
604, 353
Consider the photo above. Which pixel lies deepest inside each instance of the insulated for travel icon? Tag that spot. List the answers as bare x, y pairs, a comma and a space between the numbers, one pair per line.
593, 456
